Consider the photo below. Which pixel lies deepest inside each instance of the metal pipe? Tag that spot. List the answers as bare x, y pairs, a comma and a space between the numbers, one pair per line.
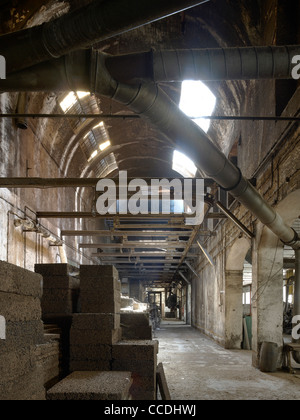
153, 104
235, 220
296, 310
137, 117
98, 21
215, 64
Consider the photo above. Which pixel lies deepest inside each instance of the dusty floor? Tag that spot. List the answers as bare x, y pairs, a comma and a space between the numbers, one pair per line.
197, 368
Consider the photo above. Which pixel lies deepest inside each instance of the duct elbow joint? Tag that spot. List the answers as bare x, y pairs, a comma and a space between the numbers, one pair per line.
295, 243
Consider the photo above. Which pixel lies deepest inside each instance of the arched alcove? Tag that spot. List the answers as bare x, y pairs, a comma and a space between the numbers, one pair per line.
234, 293
268, 279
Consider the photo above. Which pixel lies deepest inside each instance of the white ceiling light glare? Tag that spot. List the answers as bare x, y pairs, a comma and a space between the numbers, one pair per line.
183, 165
197, 101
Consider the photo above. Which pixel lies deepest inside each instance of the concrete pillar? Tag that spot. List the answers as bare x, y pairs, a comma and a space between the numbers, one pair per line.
234, 309
267, 301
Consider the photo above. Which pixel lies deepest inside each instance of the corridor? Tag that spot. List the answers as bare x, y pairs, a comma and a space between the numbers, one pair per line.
197, 368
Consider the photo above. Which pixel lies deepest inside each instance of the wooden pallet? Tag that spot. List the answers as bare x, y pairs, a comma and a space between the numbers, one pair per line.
162, 383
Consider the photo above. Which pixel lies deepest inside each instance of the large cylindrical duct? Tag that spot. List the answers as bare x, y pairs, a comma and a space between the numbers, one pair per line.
153, 104
205, 64
83, 28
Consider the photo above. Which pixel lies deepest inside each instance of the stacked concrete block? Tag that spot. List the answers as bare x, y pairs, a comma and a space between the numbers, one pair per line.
92, 386
97, 328
47, 360
60, 290
100, 289
140, 358
20, 375
136, 326
91, 340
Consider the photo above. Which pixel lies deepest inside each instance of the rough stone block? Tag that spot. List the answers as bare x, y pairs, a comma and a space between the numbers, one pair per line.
96, 321
143, 350
92, 386
97, 271
89, 337
18, 281
90, 365
91, 352
93, 303
20, 334
15, 307
60, 282
48, 270
140, 368
135, 326
99, 277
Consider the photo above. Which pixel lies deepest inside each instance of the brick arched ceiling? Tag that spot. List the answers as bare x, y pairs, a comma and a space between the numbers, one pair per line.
138, 147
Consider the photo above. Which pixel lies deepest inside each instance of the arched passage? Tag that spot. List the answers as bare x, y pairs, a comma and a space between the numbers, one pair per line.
233, 293
268, 279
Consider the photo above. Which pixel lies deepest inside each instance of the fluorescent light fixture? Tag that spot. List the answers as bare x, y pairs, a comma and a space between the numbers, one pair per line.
105, 145
183, 165
197, 101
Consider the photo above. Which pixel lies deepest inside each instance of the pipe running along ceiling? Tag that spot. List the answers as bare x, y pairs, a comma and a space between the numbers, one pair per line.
89, 71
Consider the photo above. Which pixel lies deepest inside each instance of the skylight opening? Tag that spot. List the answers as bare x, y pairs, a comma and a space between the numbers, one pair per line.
183, 165
70, 100
93, 155
105, 145
82, 95
197, 101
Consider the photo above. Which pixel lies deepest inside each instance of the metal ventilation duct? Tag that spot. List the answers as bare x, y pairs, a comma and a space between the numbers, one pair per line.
205, 64
83, 28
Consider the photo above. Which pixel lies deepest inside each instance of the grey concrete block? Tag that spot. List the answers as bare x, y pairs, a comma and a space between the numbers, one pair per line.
96, 321
15, 363
135, 326
57, 307
28, 387
18, 281
60, 282
48, 270
90, 365
92, 304
19, 334
143, 368
107, 285
88, 337
98, 271
20, 308
92, 386
144, 350
137, 333
90, 352
135, 319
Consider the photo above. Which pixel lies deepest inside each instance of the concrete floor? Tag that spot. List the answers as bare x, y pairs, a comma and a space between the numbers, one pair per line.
197, 368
